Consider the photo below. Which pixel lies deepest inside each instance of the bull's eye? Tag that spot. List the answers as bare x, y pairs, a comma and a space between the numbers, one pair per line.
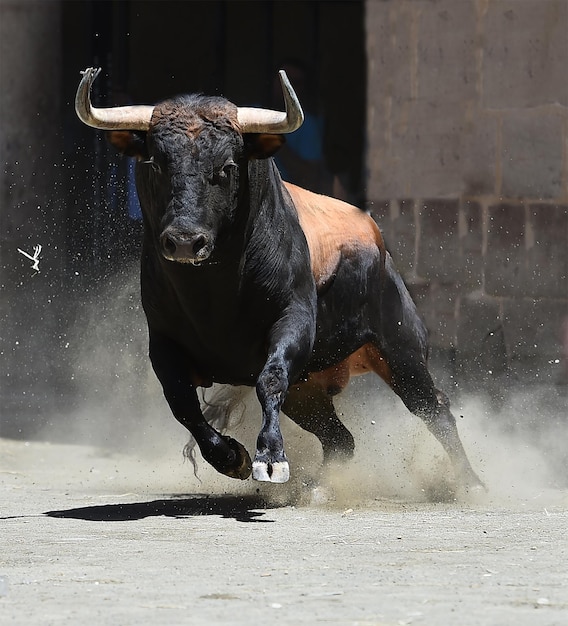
228, 167
222, 176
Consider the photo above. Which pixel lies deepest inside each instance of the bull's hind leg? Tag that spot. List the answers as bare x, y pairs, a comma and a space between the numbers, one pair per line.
310, 405
414, 385
404, 348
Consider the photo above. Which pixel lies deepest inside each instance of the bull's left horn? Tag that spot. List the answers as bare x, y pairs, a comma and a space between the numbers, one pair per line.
253, 120
135, 117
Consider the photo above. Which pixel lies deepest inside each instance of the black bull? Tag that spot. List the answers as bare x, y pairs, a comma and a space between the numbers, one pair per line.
247, 280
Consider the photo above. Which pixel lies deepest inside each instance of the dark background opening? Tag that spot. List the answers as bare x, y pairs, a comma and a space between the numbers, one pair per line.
151, 50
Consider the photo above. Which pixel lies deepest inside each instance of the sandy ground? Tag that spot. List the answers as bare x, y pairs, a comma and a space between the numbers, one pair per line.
101, 535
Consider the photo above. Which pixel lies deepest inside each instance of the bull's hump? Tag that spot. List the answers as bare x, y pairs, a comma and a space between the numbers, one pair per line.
332, 228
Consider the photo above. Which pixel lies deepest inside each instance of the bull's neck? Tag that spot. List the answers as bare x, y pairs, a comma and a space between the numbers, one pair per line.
255, 190
264, 192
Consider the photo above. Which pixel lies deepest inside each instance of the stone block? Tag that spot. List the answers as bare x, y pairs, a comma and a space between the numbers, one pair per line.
437, 307
440, 74
447, 69
385, 177
471, 245
383, 170
439, 246
431, 149
527, 253
532, 154
450, 246
505, 259
533, 328
391, 43
525, 53
477, 317
421, 85
547, 254
427, 141
481, 354
479, 154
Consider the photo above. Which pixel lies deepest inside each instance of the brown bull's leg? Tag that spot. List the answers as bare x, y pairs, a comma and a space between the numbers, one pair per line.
224, 453
311, 407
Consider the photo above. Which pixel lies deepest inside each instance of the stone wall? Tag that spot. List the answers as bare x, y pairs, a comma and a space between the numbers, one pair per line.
468, 170
31, 207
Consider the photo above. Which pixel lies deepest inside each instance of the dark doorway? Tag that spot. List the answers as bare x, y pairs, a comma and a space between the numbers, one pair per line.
150, 50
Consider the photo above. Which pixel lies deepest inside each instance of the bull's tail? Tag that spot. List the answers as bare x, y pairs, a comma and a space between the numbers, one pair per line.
222, 407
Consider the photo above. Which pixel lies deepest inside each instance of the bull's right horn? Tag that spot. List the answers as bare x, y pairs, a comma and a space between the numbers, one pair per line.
136, 117
254, 120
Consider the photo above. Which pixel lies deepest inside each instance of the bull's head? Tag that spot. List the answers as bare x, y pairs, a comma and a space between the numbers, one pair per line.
191, 152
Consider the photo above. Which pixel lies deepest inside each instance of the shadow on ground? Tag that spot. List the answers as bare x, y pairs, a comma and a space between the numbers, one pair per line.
239, 508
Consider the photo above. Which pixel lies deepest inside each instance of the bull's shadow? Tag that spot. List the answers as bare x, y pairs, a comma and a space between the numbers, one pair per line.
240, 508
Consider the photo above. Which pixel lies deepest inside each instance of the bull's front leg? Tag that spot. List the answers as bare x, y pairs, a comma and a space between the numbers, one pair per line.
290, 347
171, 365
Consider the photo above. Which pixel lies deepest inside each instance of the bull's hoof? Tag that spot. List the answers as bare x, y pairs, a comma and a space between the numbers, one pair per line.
237, 464
470, 487
278, 472
474, 492
471, 482
476, 488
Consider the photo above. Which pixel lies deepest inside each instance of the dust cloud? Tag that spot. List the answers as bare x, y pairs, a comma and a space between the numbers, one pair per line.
519, 452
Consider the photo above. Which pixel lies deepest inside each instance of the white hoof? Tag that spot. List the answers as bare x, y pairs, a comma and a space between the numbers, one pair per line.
280, 472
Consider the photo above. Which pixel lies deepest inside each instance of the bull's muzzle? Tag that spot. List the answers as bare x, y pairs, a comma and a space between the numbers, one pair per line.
185, 248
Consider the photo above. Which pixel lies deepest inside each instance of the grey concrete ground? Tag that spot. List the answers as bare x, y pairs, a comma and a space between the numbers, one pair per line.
94, 535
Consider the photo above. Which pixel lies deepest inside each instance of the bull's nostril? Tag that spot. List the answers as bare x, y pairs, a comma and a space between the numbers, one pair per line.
169, 245
184, 247
199, 243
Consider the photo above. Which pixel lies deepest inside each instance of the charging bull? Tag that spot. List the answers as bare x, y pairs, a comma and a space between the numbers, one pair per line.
248, 280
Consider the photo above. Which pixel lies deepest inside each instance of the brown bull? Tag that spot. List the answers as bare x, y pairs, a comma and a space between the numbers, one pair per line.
247, 280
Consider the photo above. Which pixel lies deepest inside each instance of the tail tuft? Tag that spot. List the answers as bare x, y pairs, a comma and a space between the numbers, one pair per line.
223, 407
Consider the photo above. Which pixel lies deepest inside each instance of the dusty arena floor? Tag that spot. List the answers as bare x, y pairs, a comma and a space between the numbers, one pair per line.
100, 535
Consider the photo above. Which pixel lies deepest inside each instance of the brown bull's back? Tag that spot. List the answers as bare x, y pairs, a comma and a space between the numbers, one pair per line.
332, 228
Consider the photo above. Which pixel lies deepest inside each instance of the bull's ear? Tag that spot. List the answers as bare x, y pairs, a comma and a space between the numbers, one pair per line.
129, 143
263, 145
